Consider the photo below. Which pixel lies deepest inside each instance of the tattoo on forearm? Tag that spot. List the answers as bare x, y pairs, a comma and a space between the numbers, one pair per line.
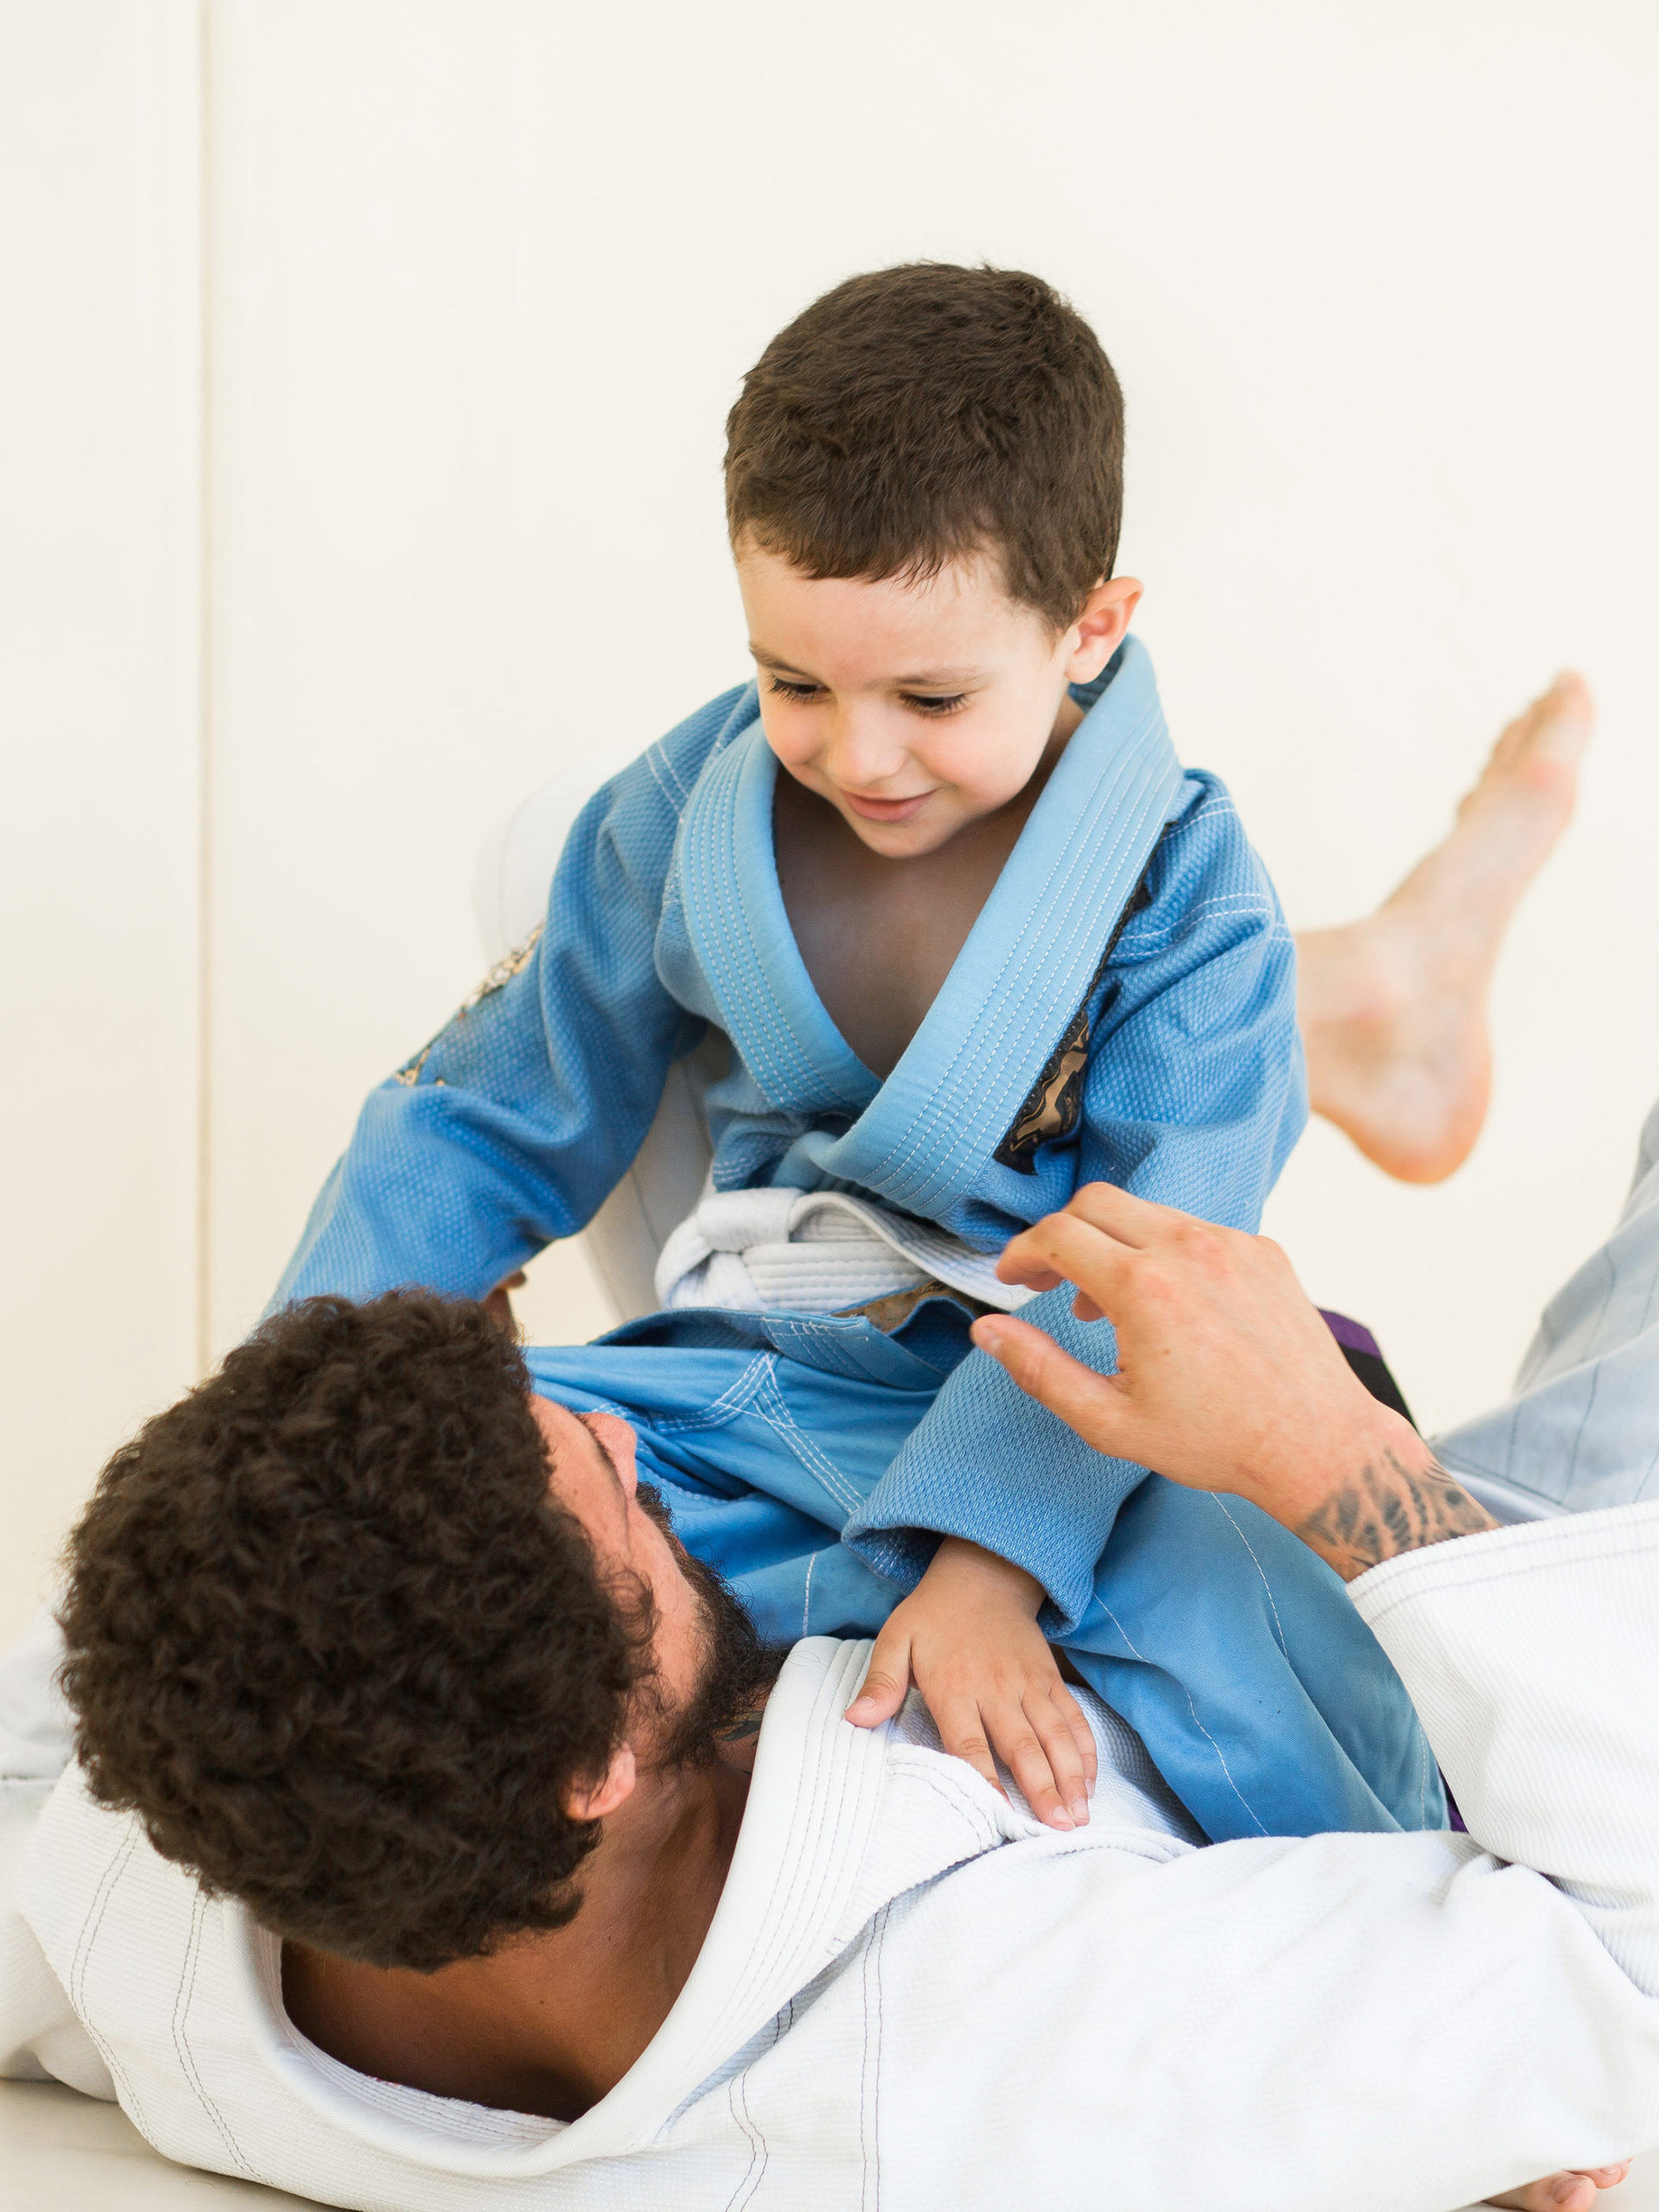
1389, 1509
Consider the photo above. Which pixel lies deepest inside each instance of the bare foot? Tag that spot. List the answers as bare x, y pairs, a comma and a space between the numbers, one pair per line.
1393, 1009
1563, 2192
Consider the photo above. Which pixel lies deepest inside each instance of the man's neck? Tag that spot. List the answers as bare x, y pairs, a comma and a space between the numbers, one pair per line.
550, 2023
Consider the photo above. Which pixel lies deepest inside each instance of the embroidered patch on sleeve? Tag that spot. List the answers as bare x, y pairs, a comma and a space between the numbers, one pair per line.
509, 964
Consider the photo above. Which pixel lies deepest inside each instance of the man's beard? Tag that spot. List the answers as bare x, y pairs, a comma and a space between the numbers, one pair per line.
735, 1668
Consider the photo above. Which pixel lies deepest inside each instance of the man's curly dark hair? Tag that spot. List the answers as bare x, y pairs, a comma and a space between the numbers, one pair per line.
332, 1641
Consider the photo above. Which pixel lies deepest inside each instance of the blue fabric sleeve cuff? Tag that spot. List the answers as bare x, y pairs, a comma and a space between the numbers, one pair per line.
992, 1466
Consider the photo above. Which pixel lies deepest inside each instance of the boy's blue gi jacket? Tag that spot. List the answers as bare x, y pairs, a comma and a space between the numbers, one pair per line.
1123, 1008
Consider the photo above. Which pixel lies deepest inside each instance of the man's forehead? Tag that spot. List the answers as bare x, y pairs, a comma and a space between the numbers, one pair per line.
569, 1438
562, 1433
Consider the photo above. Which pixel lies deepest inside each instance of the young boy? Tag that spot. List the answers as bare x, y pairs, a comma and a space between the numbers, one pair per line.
975, 939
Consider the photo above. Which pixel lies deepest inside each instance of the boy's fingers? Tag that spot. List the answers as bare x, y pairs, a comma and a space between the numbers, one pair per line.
1094, 1405
1027, 1762
1082, 1734
1063, 1755
1020, 1746
963, 1734
887, 1681
1040, 1752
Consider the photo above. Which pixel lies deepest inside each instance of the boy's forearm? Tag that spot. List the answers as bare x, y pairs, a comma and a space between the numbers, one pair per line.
987, 1466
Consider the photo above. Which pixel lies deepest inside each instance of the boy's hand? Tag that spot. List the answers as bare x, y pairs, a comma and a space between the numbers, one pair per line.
968, 1636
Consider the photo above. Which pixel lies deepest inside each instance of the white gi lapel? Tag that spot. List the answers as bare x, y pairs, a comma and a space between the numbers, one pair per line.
795, 1897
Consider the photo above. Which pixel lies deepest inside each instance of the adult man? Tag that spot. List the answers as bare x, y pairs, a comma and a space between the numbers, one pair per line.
875, 1978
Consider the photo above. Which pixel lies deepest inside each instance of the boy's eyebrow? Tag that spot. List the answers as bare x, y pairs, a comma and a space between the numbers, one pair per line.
932, 679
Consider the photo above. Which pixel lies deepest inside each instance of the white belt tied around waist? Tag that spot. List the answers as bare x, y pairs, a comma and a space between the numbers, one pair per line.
769, 1251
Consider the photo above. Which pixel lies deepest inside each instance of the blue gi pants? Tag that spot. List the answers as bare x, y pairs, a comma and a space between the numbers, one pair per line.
1263, 1699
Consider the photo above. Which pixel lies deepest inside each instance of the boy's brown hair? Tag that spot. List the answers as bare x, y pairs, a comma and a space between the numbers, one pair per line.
919, 415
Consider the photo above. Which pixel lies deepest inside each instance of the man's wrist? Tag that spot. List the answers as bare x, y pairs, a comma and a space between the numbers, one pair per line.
1389, 1495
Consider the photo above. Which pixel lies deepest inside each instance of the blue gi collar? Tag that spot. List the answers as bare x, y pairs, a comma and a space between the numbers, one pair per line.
923, 1137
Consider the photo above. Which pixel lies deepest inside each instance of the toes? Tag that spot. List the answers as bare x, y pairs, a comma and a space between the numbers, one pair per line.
1557, 727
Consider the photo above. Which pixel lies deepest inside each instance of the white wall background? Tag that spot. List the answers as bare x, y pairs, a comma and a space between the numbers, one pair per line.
360, 417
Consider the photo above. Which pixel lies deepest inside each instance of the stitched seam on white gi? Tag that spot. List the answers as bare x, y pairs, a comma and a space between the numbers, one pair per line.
78, 1966
1619, 1550
869, 2079
824, 1815
737, 2101
1197, 1723
187, 1990
1278, 1627
961, 1801
775, 1413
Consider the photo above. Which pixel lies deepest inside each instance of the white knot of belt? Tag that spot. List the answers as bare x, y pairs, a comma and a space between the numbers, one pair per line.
781, 1250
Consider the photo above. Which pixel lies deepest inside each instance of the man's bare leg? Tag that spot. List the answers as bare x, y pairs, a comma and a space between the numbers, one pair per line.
1393, 1009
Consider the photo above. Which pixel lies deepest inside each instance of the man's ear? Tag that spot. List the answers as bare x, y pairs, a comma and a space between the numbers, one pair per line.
614, 1789
1099, 630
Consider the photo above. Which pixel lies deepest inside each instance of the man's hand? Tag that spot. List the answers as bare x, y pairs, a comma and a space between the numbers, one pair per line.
968, 1636
1227, 1379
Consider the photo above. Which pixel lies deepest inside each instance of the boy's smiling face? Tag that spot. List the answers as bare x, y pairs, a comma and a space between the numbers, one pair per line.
916, 708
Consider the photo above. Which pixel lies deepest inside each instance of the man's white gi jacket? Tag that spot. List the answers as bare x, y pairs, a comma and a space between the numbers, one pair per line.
912, 1996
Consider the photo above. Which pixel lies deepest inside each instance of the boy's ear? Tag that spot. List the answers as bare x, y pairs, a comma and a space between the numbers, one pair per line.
1099, 629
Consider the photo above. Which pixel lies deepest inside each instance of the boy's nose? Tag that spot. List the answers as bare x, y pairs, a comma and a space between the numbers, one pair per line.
866, 752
